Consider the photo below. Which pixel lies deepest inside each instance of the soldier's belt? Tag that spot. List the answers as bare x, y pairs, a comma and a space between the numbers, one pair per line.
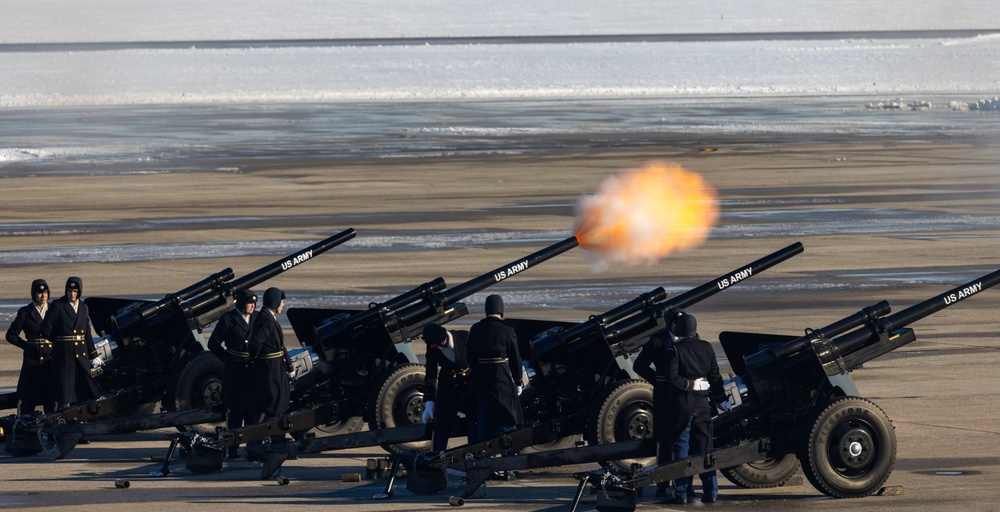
272, 355
78, 337
237, 353
495, 360
40, 341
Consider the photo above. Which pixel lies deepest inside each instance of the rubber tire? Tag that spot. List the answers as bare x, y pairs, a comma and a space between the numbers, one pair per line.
399, 402
346, 426
198, 383
763, 474
633, 399
844, 423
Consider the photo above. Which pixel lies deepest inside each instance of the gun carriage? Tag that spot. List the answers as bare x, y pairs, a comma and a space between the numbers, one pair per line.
153, 351
363, 369
794, 400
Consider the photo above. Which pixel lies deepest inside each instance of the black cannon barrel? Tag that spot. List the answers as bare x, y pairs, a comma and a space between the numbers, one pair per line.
419, 310
867, 315
644, 323
854, 340
632, 327
724, 281
596, 323
124, 322
212, 300
332, 327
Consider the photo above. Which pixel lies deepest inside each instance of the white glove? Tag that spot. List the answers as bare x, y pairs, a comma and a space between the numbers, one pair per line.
700, 384
726, 406
291, 375
428, 412
96, 362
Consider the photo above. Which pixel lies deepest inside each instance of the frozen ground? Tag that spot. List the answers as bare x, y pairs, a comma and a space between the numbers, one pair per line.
302, 64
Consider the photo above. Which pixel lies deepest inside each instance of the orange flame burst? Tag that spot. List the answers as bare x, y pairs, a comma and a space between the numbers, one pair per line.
645, 214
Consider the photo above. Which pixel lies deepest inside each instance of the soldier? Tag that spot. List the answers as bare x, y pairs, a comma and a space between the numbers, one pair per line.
271, 368
229, 342
645, 365
496, 373
692, 372
67, 326
33, 385
446, 393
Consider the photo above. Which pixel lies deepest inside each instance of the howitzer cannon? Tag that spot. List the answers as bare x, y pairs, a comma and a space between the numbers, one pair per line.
154, 351
581, 382
561, 383
363, 368
799, 402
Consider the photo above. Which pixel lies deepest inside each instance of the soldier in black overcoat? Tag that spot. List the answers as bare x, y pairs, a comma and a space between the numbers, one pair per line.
268, 395
34, 382
67, 326
692, 372
651, 357
229, 342
446, 387
496, 373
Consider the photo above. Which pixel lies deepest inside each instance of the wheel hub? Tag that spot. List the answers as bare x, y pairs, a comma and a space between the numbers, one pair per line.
410, 408
856, 448
211, 392
636, 423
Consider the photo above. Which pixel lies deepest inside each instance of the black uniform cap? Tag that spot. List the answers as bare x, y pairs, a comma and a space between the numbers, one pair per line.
244, 297
687, 326
75, 283
273, 297
39, 285
434, 334
672, 314
494, 305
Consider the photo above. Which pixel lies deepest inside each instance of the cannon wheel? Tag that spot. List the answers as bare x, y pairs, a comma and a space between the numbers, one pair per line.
399, 402
762, 474
199, 383
850, 449
625, 413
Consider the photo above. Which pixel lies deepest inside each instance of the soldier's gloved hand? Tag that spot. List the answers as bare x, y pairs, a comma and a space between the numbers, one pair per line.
428, 414
291, 375
96, 362
700, 384
519, 390
726, 406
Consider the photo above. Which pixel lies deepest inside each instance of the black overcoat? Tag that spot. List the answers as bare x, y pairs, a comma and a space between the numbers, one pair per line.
687, 360
230, 343
496, 368
447, 381
72, 349
654, 353
34, 382
269, 391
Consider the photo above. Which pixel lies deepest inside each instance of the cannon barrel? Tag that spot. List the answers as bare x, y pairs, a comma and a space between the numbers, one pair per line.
867, 315
854, 340
641, 324
433, 297
124, 322
455, 293
208, 307
332, 326
627, 328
